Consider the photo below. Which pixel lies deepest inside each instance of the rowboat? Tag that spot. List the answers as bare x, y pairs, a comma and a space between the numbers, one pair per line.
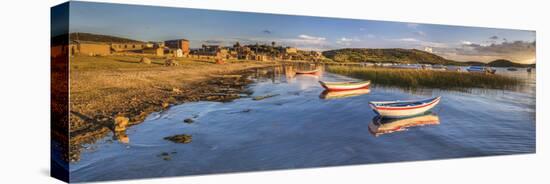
343, 94
399, 109
341, 86
307, 71
381, 125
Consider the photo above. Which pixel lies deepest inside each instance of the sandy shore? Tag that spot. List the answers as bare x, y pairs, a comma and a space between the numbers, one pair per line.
102, 88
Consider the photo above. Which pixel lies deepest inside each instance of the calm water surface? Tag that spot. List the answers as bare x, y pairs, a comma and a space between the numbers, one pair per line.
304, 127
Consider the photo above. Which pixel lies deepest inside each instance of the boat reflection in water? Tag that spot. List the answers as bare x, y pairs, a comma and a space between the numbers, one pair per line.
343, 94
381, 125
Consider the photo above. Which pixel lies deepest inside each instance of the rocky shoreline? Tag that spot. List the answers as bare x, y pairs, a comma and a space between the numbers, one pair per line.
88, 124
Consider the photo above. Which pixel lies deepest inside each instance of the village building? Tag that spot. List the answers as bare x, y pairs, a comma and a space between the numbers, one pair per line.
128, 47
213, 51
291, 50
242, 52
89, 48
182, 44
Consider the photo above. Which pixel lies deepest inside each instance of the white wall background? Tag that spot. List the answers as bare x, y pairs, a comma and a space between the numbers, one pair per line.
24, 90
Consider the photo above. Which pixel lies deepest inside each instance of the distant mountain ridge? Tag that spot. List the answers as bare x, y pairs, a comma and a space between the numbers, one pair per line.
100, 38
397, 55
507, 63
406, 56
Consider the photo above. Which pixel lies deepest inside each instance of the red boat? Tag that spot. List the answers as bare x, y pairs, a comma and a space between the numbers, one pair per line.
342, 86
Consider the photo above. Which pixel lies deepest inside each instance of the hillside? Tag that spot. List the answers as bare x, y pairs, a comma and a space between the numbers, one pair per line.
385, 56
474, 63
507, 63
100, 38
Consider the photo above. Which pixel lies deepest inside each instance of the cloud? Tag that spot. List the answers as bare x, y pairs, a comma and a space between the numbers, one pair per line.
347, 41
371, 36
420, 33
493, 37
517, 51
412, 25
266, 31
308, 37
344, 39
418, 44
303, 41
466, 42
408, 40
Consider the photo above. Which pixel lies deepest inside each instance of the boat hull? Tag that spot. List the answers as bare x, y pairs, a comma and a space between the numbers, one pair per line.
407, 111
345, 87
307, 72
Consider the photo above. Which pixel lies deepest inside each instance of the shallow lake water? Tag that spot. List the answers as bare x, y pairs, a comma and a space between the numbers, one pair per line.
303, 127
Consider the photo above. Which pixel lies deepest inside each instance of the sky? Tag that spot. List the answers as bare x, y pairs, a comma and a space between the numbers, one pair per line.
150, 23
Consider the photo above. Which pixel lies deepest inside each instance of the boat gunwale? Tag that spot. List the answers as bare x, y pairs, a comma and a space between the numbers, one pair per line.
381, 105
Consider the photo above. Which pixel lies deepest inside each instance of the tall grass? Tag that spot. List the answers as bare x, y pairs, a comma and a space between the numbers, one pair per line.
411, 78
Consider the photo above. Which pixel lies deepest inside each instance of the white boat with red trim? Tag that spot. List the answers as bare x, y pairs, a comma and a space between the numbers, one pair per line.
399, 109
341, 86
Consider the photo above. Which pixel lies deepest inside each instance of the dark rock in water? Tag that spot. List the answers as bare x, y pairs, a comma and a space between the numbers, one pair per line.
182, 139
165, 156
188, 120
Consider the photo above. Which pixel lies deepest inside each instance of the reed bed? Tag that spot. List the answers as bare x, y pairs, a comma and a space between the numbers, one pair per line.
411, 78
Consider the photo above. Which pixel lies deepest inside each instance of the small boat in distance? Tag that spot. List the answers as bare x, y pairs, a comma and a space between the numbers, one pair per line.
307, 71
512, 69
481, 69
341, 86
400, 109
